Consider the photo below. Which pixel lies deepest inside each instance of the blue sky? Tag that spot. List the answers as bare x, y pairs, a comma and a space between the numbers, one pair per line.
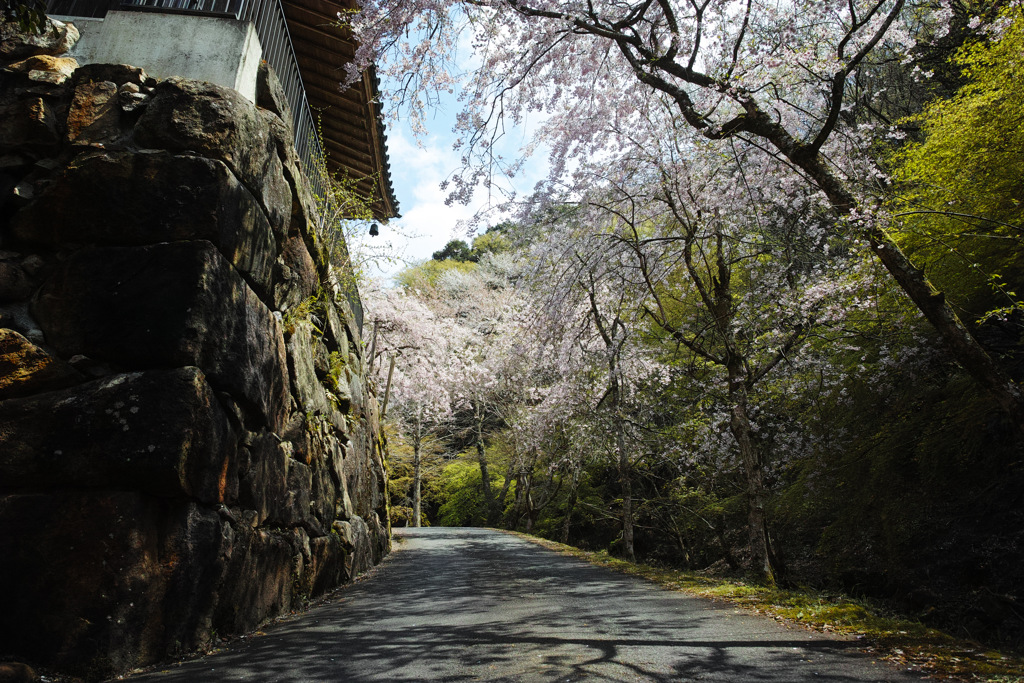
417, 169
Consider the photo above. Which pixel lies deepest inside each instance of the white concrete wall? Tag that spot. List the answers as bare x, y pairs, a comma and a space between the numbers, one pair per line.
220, 50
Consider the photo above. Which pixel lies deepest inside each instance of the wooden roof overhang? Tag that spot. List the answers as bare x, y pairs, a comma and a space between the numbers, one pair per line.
350, 119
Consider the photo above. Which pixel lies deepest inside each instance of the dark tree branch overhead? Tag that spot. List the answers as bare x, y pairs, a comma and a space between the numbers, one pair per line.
657, 71
666, 46
839, 79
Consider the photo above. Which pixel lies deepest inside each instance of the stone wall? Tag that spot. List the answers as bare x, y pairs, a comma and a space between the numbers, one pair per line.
187, 444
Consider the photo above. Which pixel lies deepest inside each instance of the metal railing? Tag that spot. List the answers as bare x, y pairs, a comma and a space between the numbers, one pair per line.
271, 26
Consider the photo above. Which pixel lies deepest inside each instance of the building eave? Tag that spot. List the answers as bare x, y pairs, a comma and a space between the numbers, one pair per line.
351, 124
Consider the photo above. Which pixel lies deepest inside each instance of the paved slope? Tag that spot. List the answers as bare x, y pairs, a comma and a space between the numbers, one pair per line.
477, 605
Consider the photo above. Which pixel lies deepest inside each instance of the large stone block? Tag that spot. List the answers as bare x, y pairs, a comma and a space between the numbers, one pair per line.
95, 115
295, 278
344, 509
329, 496
355, 540
219, 123
303, 214
380, 532
27, 369
296, 432
96, 583
271, 96
46, 68
345, 388
378, 470
17, 317
324, 499
258, 582
15, 284
119, 74
296, 511
136, 198
30, 124
305, 384
161, 432
197, 548
361, 470
264, 485
343, 298
336, 333
325, 567
372, 412
169, 305
56, 38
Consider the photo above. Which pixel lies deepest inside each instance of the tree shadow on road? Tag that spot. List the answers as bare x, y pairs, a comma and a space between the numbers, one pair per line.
471, 605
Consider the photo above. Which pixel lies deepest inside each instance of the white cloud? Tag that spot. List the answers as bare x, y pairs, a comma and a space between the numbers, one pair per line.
417, 171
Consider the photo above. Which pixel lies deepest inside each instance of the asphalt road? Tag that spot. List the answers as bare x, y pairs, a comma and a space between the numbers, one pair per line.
477, 605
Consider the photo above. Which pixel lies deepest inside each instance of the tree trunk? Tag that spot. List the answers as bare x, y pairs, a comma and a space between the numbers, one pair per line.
625, 473
684, 549
499, 503
417, 471
570, 505
417, 479
481, 457
762, 562
613, 333
958, 340
626, 481
524, 481
511, 474
723, 545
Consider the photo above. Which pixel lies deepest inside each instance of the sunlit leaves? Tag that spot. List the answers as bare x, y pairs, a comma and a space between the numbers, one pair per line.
961, 190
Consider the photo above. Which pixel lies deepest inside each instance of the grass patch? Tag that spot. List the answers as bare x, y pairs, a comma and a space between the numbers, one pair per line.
899, 641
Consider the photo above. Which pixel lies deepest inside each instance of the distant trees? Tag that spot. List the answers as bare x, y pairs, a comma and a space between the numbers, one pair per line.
424, 365
492, 241
455, 375
456, 250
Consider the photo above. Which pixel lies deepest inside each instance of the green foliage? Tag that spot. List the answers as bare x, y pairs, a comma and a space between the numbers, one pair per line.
961, 189
458, 487
884, 500
400, 469
455, 250
424, 277
456, 256
30, 15
401, 515
493, 241
901, 641
310, 309
336, 373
